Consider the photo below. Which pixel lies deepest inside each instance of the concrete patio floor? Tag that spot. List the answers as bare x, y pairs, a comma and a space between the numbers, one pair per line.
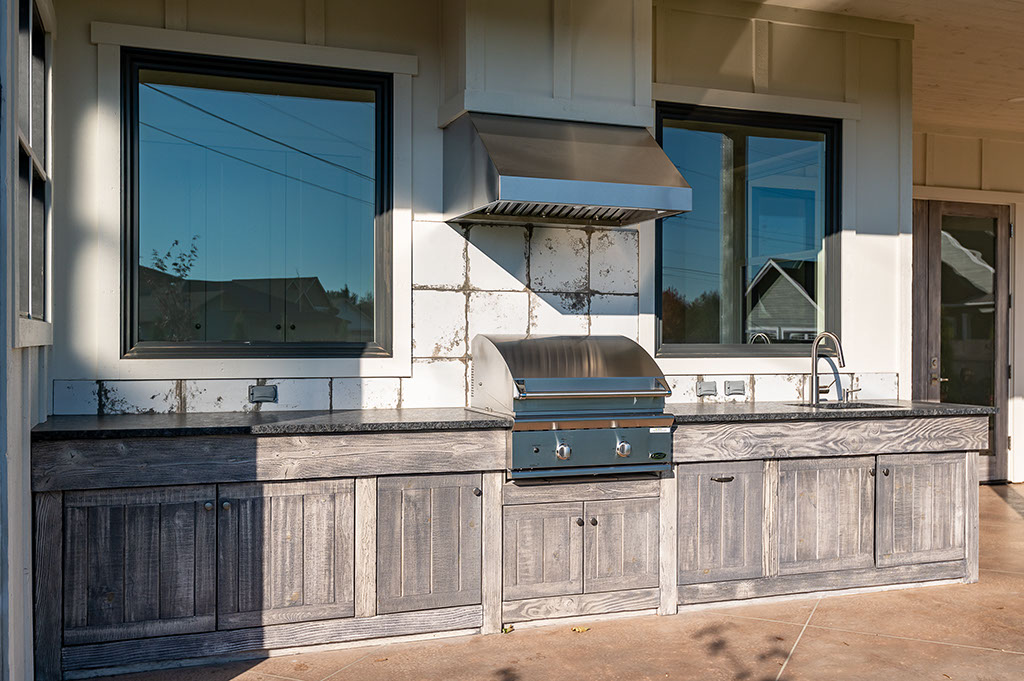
956, 632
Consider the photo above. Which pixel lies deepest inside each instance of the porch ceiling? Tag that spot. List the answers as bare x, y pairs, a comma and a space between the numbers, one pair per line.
968, 56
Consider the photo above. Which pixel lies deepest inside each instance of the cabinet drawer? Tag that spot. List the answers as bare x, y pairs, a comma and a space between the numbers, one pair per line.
921, 501
826, 510
721, 511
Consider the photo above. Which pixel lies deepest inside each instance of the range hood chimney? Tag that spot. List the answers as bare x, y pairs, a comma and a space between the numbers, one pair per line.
514, 169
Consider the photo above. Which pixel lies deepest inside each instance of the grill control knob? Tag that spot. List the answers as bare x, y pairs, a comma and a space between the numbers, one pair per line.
623, 449
563, 451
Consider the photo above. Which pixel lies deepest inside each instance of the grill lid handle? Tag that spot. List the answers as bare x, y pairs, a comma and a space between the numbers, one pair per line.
524, 394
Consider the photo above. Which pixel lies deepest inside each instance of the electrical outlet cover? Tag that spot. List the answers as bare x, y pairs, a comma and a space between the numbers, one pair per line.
735, 387
263, 393
707, 389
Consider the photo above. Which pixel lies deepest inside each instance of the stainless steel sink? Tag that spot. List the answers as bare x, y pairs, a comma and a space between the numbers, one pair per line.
846, 405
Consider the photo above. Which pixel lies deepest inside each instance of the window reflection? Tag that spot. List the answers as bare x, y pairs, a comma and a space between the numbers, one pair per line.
749, 258
256, 208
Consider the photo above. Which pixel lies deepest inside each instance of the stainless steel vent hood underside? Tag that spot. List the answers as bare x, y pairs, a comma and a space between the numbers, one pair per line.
500, 169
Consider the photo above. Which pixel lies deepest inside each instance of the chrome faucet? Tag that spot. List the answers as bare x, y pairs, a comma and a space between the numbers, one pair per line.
815, 391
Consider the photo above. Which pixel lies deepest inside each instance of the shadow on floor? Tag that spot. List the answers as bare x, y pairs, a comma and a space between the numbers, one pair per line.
1011, 496
715, 641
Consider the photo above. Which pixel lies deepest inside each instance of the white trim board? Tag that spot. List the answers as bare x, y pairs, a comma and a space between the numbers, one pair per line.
107, 228
755, 101
123, 35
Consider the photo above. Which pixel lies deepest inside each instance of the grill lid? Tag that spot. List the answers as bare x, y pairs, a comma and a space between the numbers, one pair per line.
545, 172
506, 368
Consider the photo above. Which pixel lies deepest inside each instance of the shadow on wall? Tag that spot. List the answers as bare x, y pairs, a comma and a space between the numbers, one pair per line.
1012, 495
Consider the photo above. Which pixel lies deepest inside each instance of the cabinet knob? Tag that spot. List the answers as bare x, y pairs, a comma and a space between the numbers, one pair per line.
885, 471
593, 521
226, 505
208, 505
579, 521
477, 491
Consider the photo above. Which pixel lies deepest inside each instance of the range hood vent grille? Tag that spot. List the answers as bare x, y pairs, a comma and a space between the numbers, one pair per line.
543, 172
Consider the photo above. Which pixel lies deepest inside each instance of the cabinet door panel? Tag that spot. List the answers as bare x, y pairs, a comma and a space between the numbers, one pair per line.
428, 542
920, 508
721, 511
542, 550
286, 552
620, 544
139, 563
826, 514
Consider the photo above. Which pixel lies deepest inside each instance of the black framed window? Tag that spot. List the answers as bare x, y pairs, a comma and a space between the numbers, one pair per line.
754, 267
33, 189
258, 208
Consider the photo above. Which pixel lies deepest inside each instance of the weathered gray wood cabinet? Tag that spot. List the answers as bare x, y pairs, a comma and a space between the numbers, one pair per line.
826, 514
139, 562
428, 541
720, 518
285, 552
920, 515
559, 549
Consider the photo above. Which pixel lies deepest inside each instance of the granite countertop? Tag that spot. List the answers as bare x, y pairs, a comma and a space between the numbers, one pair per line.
406, 420
264, 423
725, 412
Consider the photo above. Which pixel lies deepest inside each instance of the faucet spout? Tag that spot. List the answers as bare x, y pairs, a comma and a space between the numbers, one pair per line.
815, 355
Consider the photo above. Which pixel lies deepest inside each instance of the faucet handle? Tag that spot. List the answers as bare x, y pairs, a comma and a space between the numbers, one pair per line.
823, 389
848, 393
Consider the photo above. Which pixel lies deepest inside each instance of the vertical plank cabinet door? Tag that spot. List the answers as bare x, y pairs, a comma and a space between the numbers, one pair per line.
620, 544
721, 509
542, 550
921, 517
285, 552
428, 541
139, 562
826, 511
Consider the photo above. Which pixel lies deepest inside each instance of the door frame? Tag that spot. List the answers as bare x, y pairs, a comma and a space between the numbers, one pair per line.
927, 209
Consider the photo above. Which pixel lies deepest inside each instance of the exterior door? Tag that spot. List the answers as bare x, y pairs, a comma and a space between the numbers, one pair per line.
961, 313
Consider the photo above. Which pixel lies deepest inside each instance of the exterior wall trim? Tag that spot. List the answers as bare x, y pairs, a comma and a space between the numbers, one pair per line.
732, 99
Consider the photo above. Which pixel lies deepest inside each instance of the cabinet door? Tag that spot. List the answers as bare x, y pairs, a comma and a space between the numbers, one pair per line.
826, 510
921, 501
542, 550
721, 511
620, 544
139, 562
428, 542
285, 552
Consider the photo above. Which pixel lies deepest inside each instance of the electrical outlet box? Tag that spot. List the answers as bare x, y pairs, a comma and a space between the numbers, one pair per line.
263, 393
707, 389
735, 388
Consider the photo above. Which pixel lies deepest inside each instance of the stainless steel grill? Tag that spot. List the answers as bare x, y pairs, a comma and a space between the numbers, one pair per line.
581, 405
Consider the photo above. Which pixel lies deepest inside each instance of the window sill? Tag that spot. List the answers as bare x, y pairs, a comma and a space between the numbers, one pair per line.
30, 333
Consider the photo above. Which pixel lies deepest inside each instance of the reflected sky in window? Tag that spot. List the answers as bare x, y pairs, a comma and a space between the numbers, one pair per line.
261, 195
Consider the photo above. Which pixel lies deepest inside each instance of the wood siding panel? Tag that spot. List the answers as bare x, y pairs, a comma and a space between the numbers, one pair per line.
721, 508
827, 438
286, 551
135, 462
620, 545
428, 542
826, 515
542, 550
921, 509
139, 563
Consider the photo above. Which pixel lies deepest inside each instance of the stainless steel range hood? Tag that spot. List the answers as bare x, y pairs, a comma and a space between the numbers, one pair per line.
544, 172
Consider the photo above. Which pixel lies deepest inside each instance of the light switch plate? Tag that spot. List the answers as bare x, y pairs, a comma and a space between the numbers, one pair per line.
707, 389
735, 388
263, 393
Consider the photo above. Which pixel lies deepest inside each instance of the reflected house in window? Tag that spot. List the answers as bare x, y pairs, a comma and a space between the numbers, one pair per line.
268, 309
780, 306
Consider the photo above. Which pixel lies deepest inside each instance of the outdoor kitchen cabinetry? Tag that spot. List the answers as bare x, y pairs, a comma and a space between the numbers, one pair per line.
826, 514
921, 515
139, 562
428, 541
560, 549
285, 552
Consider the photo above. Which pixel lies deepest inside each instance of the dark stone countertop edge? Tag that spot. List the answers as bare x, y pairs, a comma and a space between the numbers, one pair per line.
88, 427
